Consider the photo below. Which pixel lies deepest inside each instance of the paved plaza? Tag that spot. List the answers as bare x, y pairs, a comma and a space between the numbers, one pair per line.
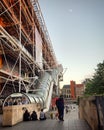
71, 122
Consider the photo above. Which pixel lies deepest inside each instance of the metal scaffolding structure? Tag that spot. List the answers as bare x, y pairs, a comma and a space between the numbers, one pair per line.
22, 26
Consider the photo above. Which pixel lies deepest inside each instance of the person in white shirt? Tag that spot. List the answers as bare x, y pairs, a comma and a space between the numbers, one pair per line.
42, 115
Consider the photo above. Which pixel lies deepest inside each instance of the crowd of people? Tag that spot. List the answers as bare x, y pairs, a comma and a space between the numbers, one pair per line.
59, 115
33, 116
16, 101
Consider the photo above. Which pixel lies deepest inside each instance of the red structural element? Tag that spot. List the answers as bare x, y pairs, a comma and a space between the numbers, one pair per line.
72, 89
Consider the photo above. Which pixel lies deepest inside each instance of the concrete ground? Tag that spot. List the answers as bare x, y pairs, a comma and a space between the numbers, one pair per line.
71, 122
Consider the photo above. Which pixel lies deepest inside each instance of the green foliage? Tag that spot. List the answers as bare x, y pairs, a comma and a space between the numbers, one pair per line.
96, 84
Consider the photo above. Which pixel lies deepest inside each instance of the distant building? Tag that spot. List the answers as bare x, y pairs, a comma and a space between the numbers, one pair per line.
72, 89
77, 90
66, 93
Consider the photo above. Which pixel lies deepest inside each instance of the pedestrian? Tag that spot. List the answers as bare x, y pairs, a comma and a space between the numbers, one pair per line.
26, 115
24, 100
42, 115
60, 107
34, 116
15, 102
67, 109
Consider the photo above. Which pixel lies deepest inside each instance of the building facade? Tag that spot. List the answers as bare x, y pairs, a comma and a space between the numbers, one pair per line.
66, 92
72, 89
26, 51
77, 90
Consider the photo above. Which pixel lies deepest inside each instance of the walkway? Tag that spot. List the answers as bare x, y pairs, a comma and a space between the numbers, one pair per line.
71, 122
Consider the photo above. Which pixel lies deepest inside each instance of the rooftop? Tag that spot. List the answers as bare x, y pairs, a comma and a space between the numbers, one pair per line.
66, 86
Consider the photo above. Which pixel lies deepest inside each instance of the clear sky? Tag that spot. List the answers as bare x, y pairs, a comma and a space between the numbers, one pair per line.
76, 29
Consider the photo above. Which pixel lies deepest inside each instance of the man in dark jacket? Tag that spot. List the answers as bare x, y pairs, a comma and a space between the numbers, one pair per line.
26, 116
60, 107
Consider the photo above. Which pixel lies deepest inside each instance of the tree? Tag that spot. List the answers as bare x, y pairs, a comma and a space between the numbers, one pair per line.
96, 84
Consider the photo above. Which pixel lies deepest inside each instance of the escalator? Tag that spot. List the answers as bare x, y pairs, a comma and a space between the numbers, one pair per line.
43, 94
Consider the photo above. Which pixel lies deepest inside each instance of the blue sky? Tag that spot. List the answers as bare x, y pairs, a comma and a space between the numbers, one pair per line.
76, 29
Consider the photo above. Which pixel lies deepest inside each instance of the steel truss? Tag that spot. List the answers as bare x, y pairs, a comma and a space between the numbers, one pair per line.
18, 20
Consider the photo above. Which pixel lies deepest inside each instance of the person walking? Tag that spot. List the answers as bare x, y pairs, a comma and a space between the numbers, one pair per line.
60, 107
